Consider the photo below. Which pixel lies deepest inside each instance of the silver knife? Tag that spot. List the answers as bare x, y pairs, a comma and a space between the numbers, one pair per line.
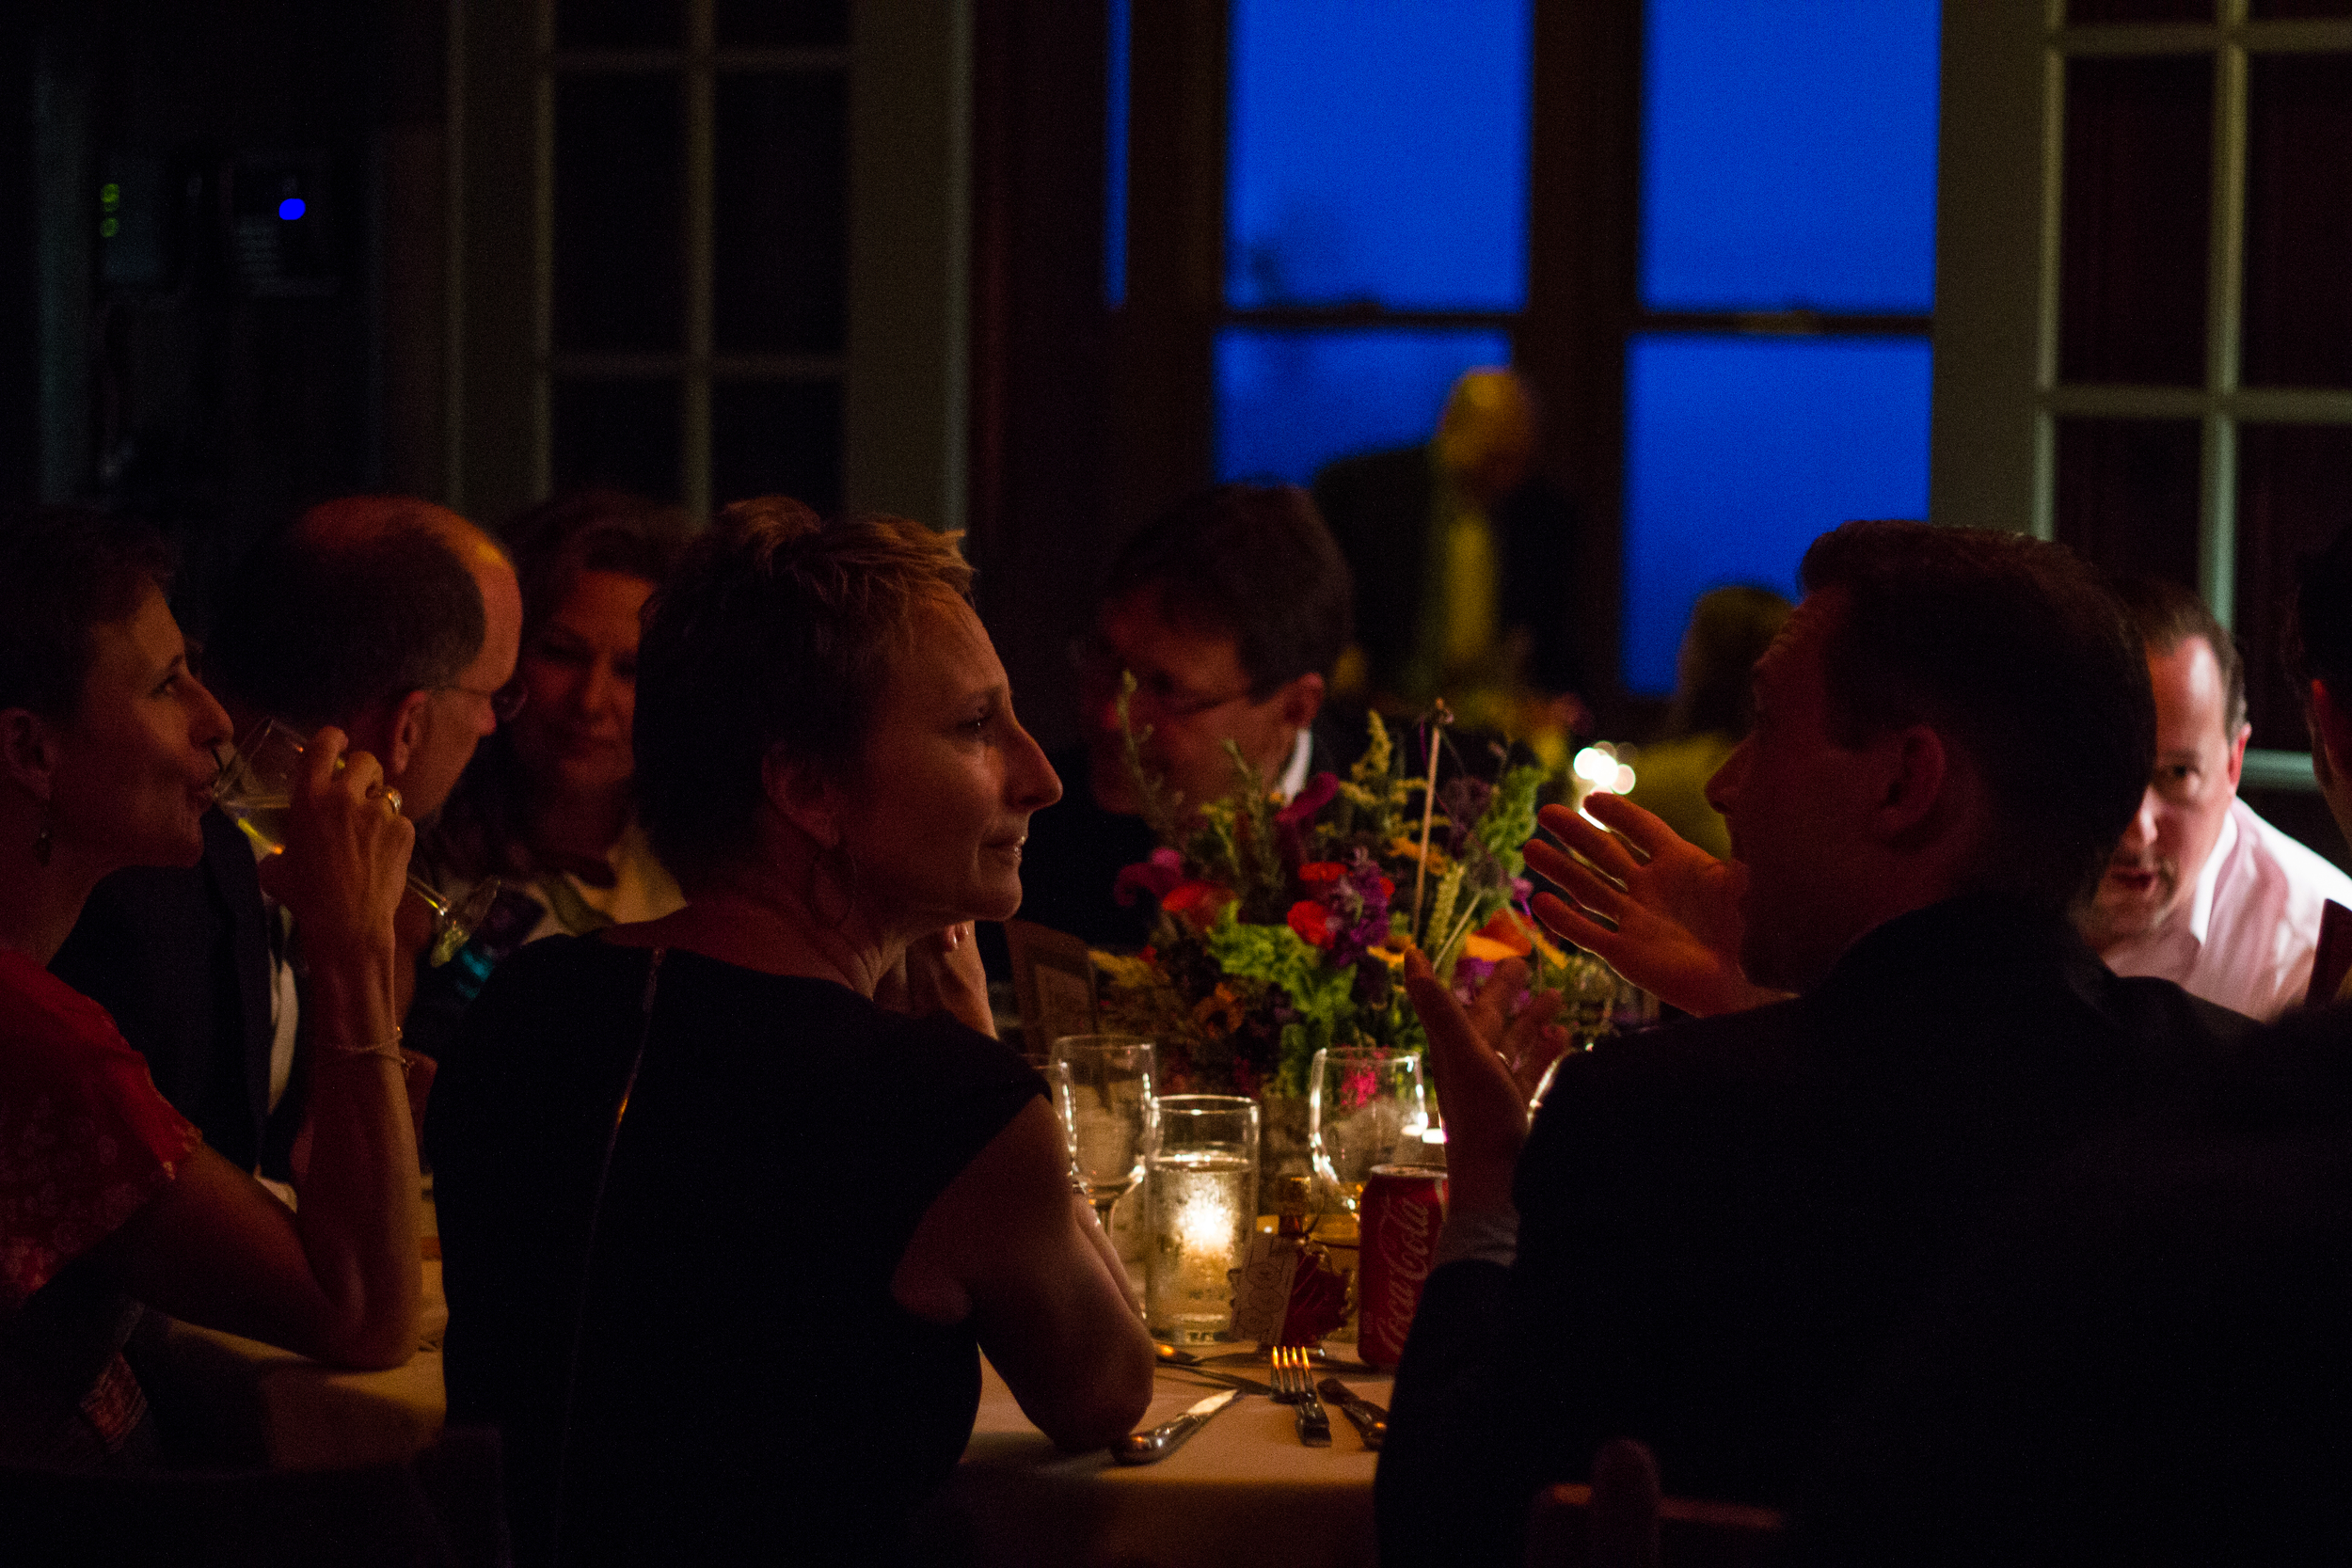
1230, 1380
1370, 1421
1149, 1448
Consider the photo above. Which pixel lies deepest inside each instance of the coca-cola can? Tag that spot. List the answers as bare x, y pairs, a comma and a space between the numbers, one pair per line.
1403, 1206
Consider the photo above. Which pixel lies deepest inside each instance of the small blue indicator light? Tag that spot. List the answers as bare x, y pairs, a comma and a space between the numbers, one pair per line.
291, 208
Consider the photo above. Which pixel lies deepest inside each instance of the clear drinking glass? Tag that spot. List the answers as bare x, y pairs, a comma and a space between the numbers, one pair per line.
1365, 1107
1203, 1201
1105, 1093
255, 789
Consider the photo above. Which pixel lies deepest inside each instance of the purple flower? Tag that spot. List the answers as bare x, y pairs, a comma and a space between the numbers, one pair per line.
1358, 902
1152, 878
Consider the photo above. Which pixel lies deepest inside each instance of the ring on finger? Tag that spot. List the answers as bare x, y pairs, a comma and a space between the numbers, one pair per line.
391, 799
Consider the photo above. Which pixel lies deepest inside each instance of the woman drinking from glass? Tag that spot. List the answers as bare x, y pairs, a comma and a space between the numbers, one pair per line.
109, 748
723, 1234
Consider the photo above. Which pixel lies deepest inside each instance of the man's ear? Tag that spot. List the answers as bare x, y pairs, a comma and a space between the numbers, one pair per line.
2235, 766
1913, 769
403, 730
803, 795
28, 752
1302, 699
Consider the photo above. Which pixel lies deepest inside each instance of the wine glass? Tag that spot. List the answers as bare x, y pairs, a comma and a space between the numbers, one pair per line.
1111, 1111
1365, 1107
255, 789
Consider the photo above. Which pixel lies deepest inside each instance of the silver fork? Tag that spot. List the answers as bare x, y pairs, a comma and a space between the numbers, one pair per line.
1294, 1385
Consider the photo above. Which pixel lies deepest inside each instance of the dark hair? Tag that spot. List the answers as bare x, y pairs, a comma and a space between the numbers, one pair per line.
2318, 633
313, 632
2015, 649
774, 636
2167, 615
483, 830
65, 570
1254, 562
1730, 629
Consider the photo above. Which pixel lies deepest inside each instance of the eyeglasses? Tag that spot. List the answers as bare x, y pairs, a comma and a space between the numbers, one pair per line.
1100, 665
505, 703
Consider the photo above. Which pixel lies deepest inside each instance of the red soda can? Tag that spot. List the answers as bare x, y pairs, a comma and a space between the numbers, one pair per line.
1402, 1208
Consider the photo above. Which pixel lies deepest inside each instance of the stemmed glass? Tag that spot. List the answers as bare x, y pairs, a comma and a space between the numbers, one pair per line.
1109, 1109
1365, 1107
255, 789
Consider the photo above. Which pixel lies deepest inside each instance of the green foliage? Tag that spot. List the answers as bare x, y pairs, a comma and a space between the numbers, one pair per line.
1324, 999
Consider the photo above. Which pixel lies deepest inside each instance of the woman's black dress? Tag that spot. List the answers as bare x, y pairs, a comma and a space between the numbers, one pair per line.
746, 1389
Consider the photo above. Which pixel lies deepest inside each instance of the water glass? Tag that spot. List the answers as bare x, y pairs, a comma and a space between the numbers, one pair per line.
1365, 1107
1104, 1092
1203, 1202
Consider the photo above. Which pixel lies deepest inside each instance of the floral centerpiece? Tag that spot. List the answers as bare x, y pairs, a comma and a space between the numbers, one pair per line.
1283, 925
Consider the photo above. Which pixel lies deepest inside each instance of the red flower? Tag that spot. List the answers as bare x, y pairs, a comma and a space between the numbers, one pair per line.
1196, 901
1150, 879
1316, 873
1313, 923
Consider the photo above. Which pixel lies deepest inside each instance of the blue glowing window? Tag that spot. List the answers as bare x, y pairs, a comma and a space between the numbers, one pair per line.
1788, 155
1115, 159
1287, 402
1739, 451
1377, 151
291, 208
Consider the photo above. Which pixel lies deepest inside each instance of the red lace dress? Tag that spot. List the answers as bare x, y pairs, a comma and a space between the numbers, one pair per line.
85, 1142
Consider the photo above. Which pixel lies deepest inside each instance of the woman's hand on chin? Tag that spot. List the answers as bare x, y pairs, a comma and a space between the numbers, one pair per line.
940, 972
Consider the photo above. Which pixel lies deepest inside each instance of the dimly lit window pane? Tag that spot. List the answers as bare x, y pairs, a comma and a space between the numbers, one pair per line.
1378, 151
2265, 11
1115, 157
2132, 234
619, 24
1739, 451
2126, 494
776, 438
781, 23
618, 167
2298, 221
1788, 155
779, 214
1287, 402
2293, 497
619, 432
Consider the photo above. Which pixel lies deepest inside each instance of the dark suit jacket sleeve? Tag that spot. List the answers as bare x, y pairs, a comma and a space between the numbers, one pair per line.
1448, 1489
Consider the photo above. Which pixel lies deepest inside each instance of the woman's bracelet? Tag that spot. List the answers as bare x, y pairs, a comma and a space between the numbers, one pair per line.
390, 1050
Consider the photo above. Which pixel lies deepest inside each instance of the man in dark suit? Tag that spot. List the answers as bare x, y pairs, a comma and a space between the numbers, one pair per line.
1457, 549
1721, 1226
1228, 611
394, 620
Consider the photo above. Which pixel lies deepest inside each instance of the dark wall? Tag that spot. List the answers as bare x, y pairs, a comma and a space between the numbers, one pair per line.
210, 372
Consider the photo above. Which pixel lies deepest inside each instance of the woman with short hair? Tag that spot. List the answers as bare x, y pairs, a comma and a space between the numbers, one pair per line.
109, 1199
722, 1235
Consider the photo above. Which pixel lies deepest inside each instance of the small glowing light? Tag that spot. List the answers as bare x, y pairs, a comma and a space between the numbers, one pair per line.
291, 208
1434, 1135
108, 228
110, 195
1624, 781
1594, 766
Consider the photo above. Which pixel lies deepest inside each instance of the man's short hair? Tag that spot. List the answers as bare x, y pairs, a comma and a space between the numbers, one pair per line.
2167, 616
315, 633
64, 571
2015, 649
1254, 562
2318, 637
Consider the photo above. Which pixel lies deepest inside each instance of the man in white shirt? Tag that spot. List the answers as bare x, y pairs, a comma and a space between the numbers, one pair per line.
2201, 891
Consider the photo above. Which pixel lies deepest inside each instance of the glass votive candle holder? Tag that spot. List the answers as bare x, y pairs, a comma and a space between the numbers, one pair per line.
1201, 1179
